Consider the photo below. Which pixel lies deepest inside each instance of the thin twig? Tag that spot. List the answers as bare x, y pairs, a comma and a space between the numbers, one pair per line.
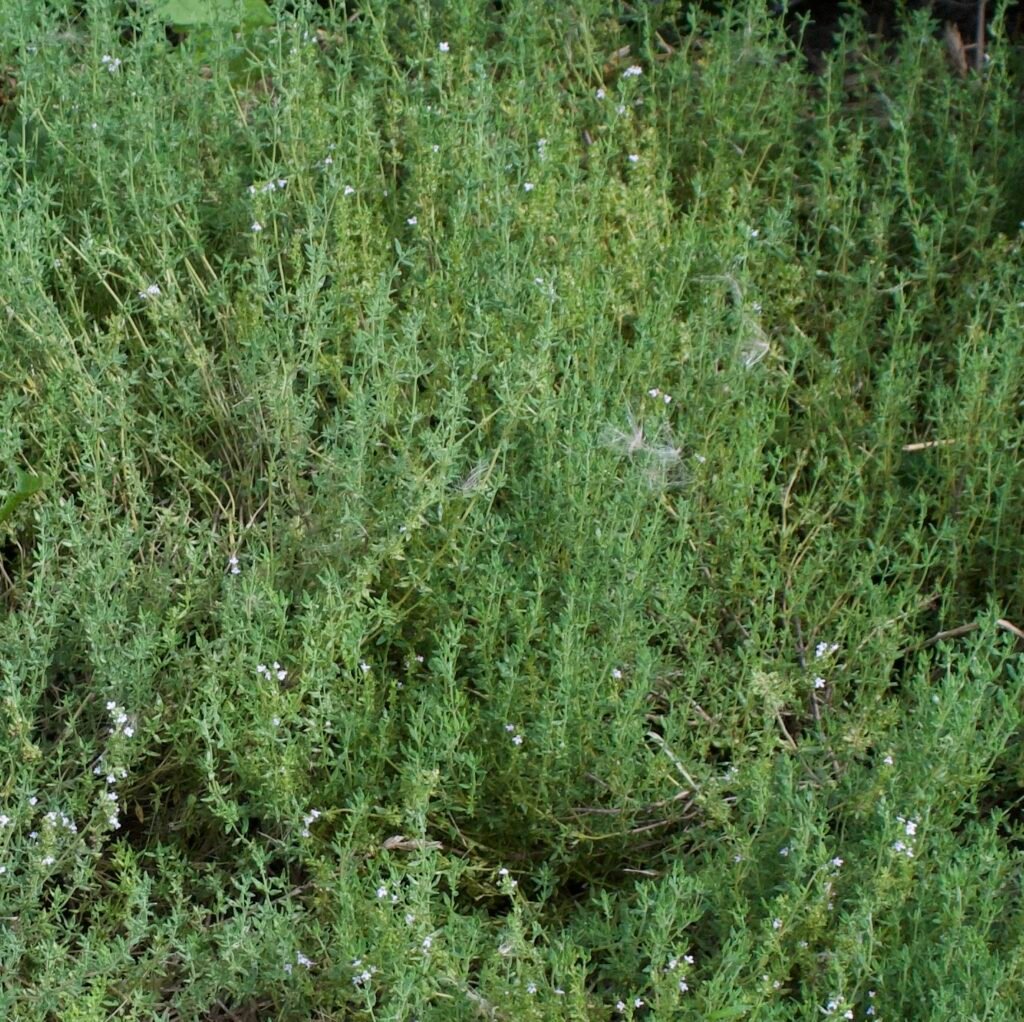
950, 633
1009, 626
654, 736
785, 730
979, 42
927, 445
603, 811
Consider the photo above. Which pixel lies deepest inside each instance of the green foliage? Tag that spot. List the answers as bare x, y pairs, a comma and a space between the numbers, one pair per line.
25, 486
530, 525
188, 14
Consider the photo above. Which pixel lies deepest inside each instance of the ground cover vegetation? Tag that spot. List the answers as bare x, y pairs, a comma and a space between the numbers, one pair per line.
512, 512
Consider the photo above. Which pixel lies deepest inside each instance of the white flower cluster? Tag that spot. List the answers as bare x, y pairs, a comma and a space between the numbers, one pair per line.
273, 185
278, 671
833, 1006
673, 964
51, 820
310, 817
110, 797
900, 846
363, 974
120, 719
517, 739
300, 959
822, 651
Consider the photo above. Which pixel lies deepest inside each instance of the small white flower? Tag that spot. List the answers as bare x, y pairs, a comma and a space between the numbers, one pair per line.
256, 227
754, 233
633, 158
33, 800
364, 667
823, 649
427, 942
654, 392
48, 860
620, 1007
348, 190
412, 221
634, 71
531, 988
113, 64
528, 186
836, 863
4, 819
688, 959
510, 727
517, 740
683, 987
616, 673
503, 872
409, 919
153, 291
638, 1002
819, 682
888, 761
128, 732
784, 851
3, 869
443, 47
600, 94
328, 161
233, 565
559, 992
282, 674
382, 892
776, 924
288, 967
276, 721
620, 109
301, 959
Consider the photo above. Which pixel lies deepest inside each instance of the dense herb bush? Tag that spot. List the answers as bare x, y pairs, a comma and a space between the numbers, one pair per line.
530, 523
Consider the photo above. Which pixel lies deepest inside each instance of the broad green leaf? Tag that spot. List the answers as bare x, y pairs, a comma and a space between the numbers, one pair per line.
26, 487
201, 13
